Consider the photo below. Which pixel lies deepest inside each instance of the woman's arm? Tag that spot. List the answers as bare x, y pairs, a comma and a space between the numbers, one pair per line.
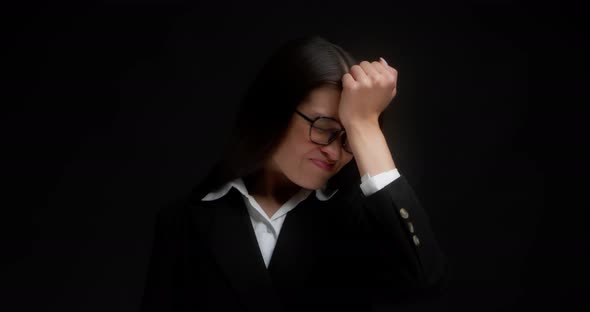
402, 256
369, 147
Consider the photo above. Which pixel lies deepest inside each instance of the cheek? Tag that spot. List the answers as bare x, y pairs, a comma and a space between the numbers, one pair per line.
296, 145
301, 143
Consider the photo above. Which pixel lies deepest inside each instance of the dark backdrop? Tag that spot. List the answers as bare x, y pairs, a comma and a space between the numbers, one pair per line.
112, 109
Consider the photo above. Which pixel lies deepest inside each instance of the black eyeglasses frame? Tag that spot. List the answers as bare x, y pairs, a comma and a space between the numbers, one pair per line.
333, 137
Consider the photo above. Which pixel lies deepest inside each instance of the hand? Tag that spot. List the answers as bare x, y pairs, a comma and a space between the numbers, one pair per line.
366, 91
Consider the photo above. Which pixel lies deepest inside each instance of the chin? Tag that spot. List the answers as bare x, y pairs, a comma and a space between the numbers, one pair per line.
313, 185
310, 181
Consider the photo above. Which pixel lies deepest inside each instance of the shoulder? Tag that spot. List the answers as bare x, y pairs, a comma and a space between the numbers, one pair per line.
181, 212
183, 222
169, 218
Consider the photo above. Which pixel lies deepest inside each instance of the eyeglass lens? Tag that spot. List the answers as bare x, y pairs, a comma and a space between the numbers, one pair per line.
325, 130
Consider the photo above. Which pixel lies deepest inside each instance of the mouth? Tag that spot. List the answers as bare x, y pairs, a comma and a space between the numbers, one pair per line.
324, 165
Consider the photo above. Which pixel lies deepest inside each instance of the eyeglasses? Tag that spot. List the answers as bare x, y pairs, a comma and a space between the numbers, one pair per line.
324, 130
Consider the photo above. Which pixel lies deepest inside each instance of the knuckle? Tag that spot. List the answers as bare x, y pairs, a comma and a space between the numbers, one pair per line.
366, 83
350, 86
385, 83
390, 77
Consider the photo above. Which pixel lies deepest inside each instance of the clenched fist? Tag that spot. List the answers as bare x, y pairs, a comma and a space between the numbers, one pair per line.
366, 91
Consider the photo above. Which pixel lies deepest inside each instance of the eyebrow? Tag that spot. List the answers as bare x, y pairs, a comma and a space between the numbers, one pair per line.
316, 115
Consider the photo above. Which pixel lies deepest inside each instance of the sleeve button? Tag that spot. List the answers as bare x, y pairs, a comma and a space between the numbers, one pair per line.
416, 240
404, 213
410, 227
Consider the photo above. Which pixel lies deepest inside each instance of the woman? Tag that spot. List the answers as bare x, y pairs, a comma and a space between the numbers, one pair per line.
251, 237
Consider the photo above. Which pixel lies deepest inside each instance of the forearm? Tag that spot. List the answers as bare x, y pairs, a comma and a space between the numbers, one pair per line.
369, 147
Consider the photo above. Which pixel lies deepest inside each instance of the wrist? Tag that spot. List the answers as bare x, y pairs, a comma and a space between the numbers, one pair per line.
358, 126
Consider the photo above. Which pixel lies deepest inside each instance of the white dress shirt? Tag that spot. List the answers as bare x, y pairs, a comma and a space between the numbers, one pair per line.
267, 228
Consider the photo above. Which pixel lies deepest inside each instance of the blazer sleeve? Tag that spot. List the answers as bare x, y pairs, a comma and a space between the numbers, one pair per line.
163, 283
402, 259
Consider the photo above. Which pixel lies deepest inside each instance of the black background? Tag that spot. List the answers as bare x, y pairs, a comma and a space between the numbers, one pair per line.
111, 109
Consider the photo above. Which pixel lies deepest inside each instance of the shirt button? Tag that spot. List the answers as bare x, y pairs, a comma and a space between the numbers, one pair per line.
416, 240
404, 213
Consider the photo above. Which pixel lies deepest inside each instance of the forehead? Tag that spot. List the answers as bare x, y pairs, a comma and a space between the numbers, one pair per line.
322, 101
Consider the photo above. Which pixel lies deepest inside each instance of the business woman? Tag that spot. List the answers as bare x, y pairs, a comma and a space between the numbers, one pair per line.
306, 209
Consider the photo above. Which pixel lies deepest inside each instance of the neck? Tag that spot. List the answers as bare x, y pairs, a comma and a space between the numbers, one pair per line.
271, 185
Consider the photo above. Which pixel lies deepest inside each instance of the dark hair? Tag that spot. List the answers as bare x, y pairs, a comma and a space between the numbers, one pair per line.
290, 74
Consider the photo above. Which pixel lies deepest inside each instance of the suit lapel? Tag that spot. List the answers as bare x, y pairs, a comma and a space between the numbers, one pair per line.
293, 257
233, 244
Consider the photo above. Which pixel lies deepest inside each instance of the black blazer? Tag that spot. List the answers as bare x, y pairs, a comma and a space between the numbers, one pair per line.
350, 252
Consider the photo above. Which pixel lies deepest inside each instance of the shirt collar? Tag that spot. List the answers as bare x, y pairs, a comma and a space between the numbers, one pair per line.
238, 183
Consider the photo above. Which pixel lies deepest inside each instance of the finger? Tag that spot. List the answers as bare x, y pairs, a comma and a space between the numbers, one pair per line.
385, 71
348, 81
358, 73
380, 68
371, 72
387, 77
389, 68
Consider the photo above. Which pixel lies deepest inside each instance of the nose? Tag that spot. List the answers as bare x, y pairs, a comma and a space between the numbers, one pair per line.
334, 149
